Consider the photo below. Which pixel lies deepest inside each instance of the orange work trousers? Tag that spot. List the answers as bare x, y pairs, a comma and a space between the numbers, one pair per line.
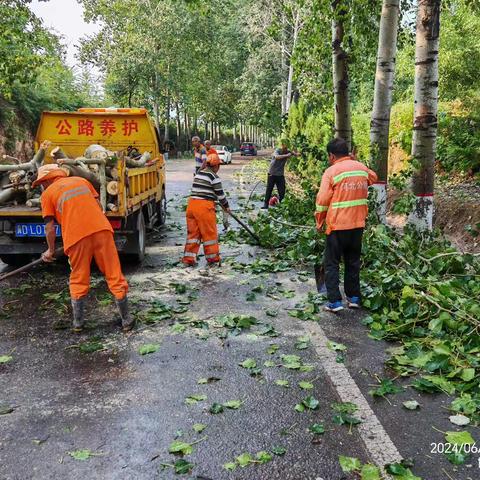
101, 247
201, 227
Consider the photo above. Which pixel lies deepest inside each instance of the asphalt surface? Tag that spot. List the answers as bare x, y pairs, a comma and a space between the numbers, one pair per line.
126, 408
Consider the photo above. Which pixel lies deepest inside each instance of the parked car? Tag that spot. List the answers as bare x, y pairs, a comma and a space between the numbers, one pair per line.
224, 153
248, 148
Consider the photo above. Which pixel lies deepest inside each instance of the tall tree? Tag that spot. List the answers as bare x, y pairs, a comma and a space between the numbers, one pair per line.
343, 123
382, 100
425, 111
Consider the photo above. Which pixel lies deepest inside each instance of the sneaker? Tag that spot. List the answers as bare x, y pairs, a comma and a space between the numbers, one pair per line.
334, 306
353, 302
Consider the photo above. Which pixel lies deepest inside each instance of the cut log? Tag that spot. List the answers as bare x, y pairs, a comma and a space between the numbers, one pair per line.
112, 207
112, 188
33, 202
58, 154
141, 162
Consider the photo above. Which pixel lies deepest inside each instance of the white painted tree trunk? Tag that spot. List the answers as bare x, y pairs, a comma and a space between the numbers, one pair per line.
343, 124
425, 114
382, 101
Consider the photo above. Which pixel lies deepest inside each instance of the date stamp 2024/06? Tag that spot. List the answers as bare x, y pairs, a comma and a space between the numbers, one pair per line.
455, 448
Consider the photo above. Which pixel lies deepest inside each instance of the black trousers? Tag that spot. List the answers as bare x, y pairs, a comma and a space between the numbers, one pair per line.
279, 181
346, 244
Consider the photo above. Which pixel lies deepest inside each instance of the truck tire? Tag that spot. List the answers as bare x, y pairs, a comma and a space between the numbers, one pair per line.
162, 210
139, 239
15, 260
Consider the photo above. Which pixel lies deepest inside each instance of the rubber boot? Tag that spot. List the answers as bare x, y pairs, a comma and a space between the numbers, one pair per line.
78, 307
127, 320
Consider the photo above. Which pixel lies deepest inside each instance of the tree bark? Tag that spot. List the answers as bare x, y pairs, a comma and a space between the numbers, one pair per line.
284, 64
343, 124
179, 125
167, 119
288, 98
425, 113
382, 101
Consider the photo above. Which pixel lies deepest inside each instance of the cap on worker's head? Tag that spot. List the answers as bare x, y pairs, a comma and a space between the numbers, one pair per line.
213, 160
48, 172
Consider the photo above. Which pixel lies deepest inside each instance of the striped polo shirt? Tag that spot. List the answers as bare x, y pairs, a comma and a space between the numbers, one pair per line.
208, 186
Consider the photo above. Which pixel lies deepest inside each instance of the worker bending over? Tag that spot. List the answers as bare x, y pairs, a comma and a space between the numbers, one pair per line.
201, 216
343, 205
86, 233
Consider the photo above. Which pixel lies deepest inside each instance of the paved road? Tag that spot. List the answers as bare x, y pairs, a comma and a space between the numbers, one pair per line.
127, 408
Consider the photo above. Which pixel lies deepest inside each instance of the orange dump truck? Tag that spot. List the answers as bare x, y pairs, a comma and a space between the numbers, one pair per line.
138, 201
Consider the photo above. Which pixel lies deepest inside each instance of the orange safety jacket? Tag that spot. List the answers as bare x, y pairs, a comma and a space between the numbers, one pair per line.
342, 199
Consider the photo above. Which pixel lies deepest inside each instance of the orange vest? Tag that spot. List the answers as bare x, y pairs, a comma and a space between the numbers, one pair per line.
342, 201
72, 202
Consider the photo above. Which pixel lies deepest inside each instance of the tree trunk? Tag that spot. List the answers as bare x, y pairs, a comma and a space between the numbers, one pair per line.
206, 131
156, 106
167, 119
288, 98
425, 113
179, 125
188, 134
284, 65
382, 101
343, 124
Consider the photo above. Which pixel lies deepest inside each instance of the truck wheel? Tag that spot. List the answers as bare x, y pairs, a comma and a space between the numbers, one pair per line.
139, 239
162, 211
16, 260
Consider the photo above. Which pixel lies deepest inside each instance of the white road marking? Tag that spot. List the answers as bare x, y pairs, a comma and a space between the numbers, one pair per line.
378, 443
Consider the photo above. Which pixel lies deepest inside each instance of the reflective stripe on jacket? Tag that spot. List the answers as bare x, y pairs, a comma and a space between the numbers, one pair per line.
342, 199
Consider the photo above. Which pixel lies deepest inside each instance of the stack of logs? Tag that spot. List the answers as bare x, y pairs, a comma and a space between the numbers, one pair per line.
98, 165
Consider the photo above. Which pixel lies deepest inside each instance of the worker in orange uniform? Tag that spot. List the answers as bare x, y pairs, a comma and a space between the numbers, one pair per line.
201, 216
342, 203
208, 147
86, 233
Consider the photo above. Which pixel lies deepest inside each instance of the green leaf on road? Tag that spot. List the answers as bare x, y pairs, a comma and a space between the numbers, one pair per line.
279, 451
263, 456
5, 358
386, 387
411, 405
305, 385
244, 459
299, 407
317, 428
311, 402
370, 472
349, 464
302, 343
193, 399
459, 438
83, 454
204, 381
148, 348
272, 348
199, 427
182, 467
248, 363
269, 364
282, 383
230, 466
336, 347
216, 408
233, 404
271, 313
400, 472
179, 447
